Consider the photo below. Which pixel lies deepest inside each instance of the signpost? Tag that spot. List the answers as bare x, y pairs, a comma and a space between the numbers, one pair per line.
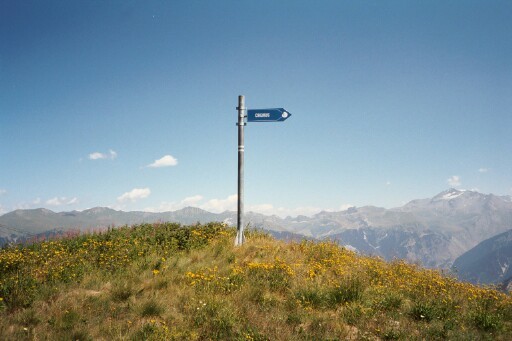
253, 115
267, 115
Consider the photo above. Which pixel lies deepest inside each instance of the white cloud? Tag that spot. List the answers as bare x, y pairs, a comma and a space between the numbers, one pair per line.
2, 191
21, 206
483, 170
134, 195
166, 206
213, 205
230, 204
72, 201
112, 154
2, 210
221, 205
388, 183
165, 161
96, 156
283, 212
192, 201
101, 156
54, 202
58, 201
345, 207
262, 208
454, 181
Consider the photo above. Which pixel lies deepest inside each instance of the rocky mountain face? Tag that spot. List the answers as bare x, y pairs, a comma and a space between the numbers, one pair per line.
490, 262
426, 247
506, 286
432, 232
8, 235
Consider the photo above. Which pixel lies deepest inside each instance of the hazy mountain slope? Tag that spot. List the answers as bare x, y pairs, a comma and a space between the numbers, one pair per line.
488, 262
29, 221
40, 220
8, 235
23, 224
433, 231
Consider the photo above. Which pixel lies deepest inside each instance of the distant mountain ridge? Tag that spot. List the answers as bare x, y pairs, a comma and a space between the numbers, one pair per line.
39, 220
24, 223
433, 231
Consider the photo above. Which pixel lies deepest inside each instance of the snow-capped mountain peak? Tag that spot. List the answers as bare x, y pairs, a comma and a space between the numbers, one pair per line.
450, 194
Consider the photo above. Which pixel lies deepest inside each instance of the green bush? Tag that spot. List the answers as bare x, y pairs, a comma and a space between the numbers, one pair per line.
487, 321
121, 292
423, 311
151, 308
349, 290
18, 290
391, 301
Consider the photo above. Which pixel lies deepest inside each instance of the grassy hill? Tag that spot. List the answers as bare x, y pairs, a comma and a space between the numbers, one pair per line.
169, 282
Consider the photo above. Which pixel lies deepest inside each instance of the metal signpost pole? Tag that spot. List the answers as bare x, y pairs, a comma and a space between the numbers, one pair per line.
252, 115
240, 216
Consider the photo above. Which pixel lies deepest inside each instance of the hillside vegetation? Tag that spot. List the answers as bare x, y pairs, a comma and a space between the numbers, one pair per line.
172, 282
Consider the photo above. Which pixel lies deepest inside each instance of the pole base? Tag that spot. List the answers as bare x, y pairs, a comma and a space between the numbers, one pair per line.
239, 240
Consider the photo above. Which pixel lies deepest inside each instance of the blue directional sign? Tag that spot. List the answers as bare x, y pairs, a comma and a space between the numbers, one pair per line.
267, 115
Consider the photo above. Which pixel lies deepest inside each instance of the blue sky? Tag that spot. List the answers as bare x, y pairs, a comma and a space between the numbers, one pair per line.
131, 104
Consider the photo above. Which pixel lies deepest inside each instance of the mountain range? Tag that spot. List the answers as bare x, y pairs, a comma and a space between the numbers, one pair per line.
433, 232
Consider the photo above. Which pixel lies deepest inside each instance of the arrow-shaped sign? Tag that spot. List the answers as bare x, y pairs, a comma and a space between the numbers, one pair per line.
267, 115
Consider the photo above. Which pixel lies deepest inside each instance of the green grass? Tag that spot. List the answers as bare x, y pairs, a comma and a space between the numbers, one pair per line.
172, 282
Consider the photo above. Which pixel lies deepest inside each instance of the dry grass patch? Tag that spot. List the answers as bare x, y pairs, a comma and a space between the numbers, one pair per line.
168, 282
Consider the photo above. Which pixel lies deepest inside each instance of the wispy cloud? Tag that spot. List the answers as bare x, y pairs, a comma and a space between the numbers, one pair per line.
102, 156
192, 201
212, 205
2, 191
221, 205
134, 195
269, 209
59, 201
454, 181
262, 208
483, 170
165, 161
345, 207
165, 206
